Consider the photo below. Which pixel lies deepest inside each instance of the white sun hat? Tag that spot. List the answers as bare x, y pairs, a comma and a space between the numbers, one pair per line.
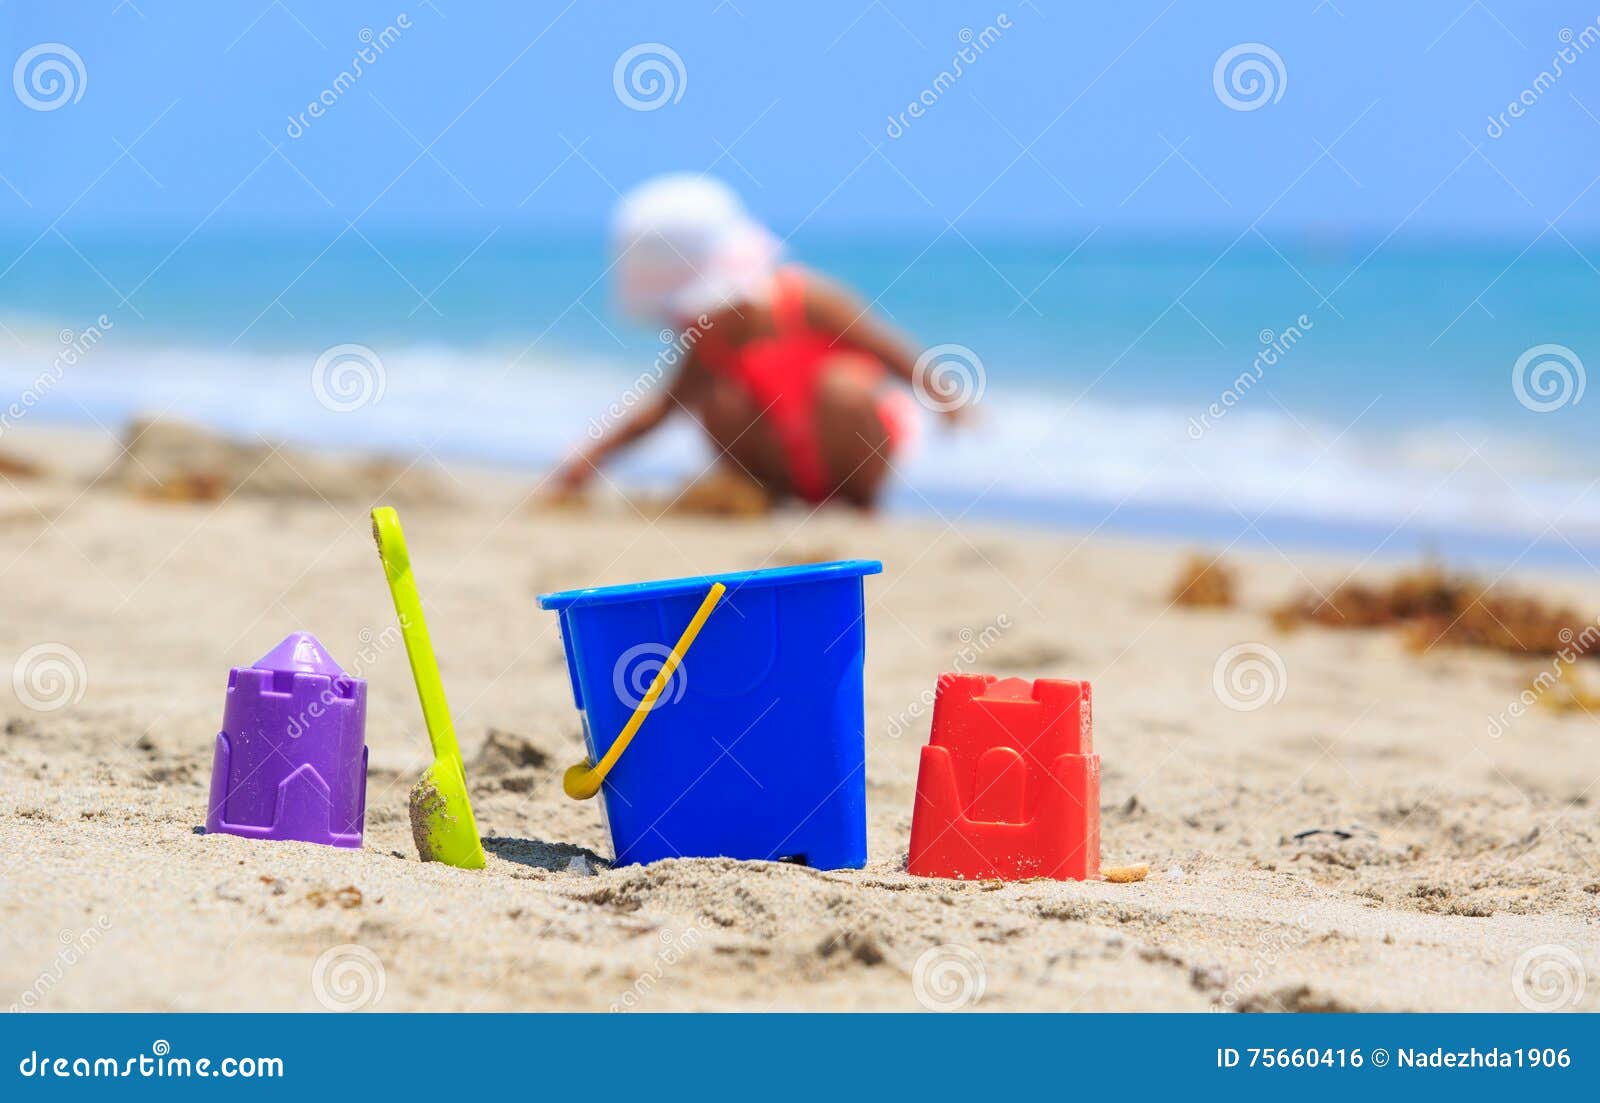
684, 245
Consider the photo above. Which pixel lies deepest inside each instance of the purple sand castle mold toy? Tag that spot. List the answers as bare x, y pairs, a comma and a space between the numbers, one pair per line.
291, 759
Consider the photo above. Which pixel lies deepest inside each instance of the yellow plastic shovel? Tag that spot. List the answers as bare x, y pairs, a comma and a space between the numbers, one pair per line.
442, 824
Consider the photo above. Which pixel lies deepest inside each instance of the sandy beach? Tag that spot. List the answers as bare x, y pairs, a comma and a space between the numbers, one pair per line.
1359, 841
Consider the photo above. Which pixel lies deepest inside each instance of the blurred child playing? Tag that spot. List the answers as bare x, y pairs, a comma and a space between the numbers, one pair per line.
790, 377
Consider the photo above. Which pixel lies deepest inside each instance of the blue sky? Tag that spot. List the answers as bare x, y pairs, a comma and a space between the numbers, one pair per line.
1073, 116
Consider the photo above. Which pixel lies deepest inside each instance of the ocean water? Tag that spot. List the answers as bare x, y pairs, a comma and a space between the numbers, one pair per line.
1323, 391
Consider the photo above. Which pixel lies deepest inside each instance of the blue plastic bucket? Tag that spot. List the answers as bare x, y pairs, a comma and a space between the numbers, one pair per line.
755, 750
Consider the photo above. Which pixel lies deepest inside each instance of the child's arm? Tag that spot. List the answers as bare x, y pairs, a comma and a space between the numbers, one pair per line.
834, 310
585, 462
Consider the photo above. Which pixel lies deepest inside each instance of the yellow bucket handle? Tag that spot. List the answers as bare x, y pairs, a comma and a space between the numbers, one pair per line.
583, 780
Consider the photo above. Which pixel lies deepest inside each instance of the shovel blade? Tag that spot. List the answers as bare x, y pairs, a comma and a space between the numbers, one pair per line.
442, 824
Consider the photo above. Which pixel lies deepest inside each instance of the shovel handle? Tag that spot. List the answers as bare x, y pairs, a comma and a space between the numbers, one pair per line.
583, 780
414, 630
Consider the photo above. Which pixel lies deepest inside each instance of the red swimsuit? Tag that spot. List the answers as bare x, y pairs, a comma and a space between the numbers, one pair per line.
781, 372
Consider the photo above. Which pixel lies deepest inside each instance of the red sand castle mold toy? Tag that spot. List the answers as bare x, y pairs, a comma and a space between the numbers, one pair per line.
1009, 786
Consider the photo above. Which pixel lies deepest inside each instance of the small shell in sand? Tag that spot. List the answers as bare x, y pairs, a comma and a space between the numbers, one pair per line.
1122, 875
